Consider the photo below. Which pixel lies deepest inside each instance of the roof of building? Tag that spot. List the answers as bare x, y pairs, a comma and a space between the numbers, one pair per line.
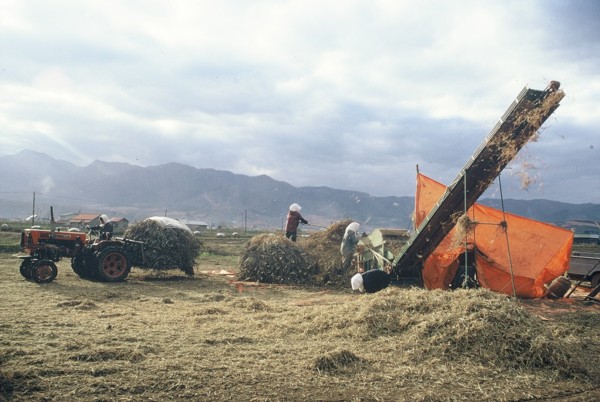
195, 223
85, 217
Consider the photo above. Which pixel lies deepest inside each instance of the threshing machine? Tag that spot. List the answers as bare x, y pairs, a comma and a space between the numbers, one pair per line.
517, 126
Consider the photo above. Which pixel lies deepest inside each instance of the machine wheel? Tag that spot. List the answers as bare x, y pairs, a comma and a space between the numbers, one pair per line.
595, 280
44, 271
112, 265
25, 268
79, 267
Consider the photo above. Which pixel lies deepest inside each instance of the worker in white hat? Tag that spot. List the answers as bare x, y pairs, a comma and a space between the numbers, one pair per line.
105, 228
349, 243
293, 220
357, 283
371, 281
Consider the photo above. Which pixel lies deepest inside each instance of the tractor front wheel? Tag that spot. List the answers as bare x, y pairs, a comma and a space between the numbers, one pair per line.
25, 268
112, 265
44, 271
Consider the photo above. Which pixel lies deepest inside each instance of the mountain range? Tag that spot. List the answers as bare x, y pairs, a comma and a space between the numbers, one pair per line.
32, 182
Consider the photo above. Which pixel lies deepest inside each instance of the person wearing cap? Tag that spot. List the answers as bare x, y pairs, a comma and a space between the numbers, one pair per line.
105, 228
349, 243
293, 220
371, 281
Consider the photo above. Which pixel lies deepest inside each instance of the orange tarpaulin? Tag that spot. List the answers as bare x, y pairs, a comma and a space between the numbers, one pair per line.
539, 252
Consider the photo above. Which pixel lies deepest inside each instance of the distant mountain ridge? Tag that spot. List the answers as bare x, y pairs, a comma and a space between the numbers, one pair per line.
214, 196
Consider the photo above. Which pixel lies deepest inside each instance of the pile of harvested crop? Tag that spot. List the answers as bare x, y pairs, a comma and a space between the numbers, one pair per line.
477, 326
274, 259
324, 250
167, 244
336, 361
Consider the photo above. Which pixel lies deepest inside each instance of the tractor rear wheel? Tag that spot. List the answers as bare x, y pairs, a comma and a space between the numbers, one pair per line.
112, 265
79, 267
44, 271
25, 268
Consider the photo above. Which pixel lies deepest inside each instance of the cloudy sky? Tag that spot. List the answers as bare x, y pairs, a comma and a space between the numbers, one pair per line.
346, 94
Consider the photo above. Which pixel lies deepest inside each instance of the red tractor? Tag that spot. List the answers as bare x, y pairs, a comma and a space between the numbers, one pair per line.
103, 260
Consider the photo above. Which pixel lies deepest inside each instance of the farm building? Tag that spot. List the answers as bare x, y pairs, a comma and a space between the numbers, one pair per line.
93, 219
67, 217
83, 220
195, 225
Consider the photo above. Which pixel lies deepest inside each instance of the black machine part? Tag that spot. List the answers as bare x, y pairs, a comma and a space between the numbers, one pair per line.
44, 271
109, 260
40, 271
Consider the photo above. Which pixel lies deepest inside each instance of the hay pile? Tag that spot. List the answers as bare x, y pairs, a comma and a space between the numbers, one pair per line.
168, 244
323, 249
336, 361
274, 259
469, 326
313, 261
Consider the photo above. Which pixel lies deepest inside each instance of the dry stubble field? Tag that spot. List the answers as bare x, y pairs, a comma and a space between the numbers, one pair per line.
165, 336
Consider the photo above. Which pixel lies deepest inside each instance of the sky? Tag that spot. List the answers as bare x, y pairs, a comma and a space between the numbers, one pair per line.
345, 94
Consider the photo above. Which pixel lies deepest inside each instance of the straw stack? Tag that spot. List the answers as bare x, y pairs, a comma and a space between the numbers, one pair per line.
165, 247
274, 259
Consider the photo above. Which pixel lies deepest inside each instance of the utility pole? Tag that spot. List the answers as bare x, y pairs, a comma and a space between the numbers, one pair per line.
33, 211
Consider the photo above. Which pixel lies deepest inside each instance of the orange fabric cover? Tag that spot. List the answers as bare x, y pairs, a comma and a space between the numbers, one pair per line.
540, 252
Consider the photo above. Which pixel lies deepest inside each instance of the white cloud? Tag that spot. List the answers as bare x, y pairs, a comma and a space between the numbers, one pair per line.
310, 92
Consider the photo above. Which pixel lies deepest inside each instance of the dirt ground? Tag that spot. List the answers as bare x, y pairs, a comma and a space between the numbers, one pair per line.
165, 336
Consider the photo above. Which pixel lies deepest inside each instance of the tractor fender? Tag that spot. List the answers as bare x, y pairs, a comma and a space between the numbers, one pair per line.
101, 245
